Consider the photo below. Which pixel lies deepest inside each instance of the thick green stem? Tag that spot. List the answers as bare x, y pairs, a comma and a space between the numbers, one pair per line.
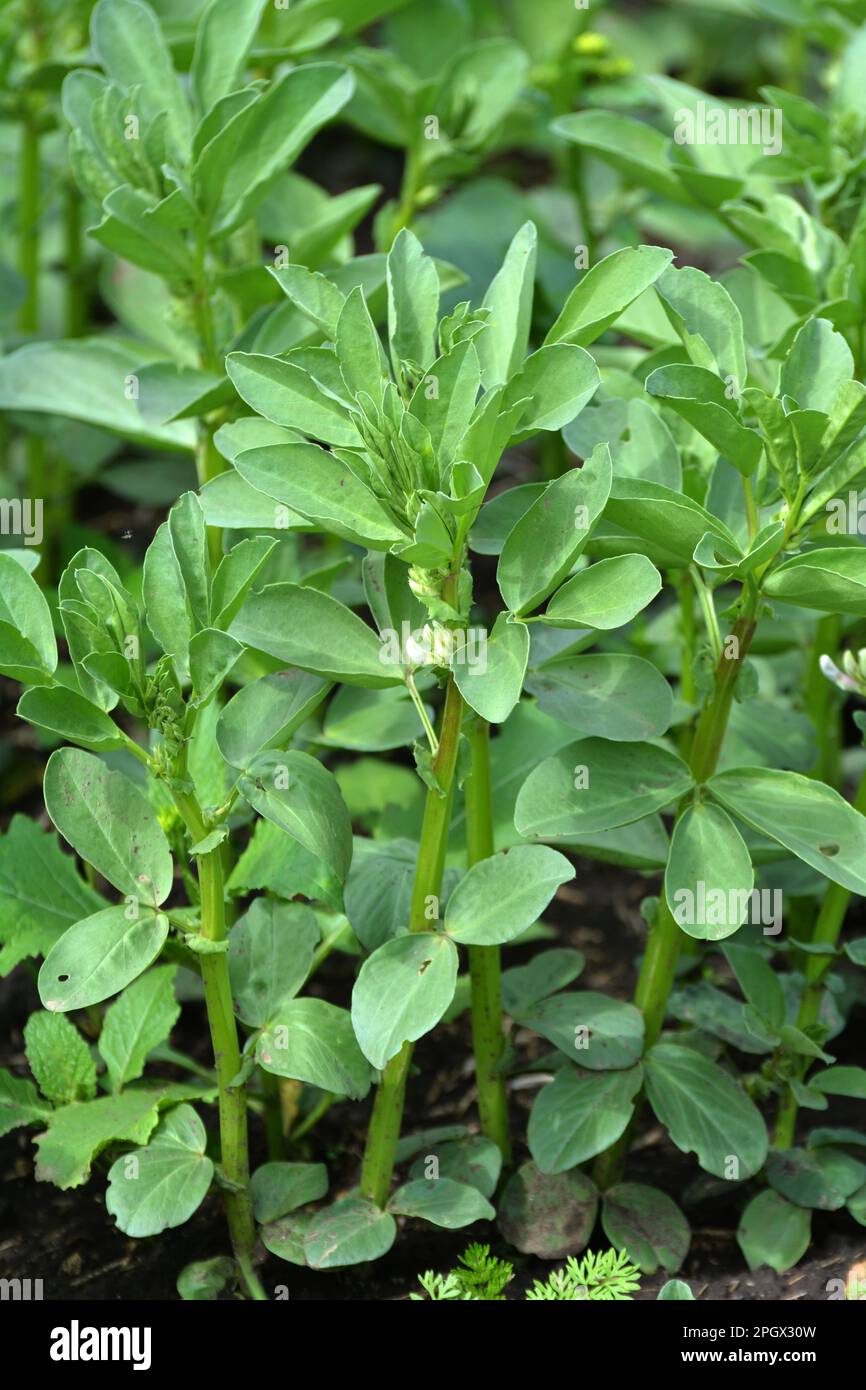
826, 933
28, 223
273, 1116
658, 967
234, 1155
404, 213
75, 305
28, 314
488, 1039
384, 1131
209, 464
823, 704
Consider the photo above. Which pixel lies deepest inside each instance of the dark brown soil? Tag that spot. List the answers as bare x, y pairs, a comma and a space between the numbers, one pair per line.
69, 1241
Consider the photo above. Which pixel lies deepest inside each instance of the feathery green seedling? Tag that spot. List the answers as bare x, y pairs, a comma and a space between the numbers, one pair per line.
480, 1276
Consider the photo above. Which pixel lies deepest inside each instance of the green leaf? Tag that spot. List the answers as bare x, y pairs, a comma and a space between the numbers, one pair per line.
288, 395
19, 1103
165, 600
266, 713
71, 716
635, 148
502, 346
676, 1290
137, 1022
707, 320
759, 982
709, 876
491, 686
831, 579
609, 694
379, 891
773, 1232
97, 957
549, 537
702, 399
270, 953
77, 1133
499, 898
278, 1188
265, 136
235, 575
413, 303
716, 1012
371, 721
444, 399
285, 1238
317, 298
441, 1201
606, 595
817, 364
313, 1041
274, 862
86, 379
841, 1081
362, 361
28, 650
318, 485
304, 627
350, 1232
806, 1177
401, 992
558, 381
204, 1280
303, 798
705, 1111
647, 1224
41, 893
59, 1059
129, 43
579, 1114
468, 1159
600, 1033
524, 985
810, 819
549, 1215
161, 1186
664, 519
222, 40
212, 656
597, 785
605, 291
189, 544
109, 823
132, 230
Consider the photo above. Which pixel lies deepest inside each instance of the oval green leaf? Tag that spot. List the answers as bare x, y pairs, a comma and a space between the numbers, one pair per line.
501, 897
401, 992
98, 956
